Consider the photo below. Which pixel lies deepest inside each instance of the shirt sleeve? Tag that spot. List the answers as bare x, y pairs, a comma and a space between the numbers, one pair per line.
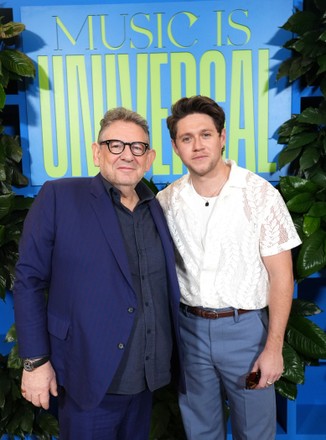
277, 232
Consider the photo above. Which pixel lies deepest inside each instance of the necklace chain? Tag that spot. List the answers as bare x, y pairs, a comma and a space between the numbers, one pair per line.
215, 193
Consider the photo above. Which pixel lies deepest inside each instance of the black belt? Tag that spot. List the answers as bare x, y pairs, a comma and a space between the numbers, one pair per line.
210, 314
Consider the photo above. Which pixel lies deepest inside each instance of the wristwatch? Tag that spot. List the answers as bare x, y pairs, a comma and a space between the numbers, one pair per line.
31, 364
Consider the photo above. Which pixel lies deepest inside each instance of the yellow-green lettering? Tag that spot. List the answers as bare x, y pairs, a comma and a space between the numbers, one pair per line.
242, 126
97, 87
111, 81
219, 28
79, 114
157, 112
141, 30
182, 85
103, 33
60, 168
213, 75
192, 19
264, 166
73, 41
142, 84
240, 27
125, 80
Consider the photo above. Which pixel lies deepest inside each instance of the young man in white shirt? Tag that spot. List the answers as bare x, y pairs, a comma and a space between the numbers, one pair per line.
233, 235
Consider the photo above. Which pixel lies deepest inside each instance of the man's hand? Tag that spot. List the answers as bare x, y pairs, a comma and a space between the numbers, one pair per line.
37, 385
270, 365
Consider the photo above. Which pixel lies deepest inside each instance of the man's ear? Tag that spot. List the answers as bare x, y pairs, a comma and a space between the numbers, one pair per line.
223, 137
96, 153
151, 154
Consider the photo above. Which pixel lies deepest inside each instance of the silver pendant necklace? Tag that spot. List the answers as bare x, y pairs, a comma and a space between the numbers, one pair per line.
215, 193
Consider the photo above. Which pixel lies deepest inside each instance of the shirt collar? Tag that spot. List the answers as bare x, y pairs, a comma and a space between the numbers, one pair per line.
237, 177
144, 193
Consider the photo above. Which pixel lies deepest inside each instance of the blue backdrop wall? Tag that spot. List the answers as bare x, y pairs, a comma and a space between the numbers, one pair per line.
145, 55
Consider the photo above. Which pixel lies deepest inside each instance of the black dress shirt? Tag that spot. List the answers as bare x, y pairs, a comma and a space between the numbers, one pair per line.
147, 359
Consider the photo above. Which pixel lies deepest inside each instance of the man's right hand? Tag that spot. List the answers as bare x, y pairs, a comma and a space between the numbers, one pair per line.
37, 385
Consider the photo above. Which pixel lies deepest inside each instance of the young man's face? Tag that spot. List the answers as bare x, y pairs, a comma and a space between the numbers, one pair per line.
198, 144
123, 169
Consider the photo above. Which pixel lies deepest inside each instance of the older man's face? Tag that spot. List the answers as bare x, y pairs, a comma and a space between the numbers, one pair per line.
123, 169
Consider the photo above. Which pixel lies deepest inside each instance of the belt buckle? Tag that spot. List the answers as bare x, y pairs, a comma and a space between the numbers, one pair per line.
211, 315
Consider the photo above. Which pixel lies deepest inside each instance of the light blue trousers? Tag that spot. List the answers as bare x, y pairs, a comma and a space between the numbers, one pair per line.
218, 355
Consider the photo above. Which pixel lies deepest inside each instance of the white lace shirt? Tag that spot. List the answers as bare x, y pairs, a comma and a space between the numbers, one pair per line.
219, 247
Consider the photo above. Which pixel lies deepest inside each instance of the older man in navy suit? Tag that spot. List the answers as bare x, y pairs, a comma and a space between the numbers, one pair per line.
106, 334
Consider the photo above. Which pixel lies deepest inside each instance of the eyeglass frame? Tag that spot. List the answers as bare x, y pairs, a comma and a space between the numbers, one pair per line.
107, 143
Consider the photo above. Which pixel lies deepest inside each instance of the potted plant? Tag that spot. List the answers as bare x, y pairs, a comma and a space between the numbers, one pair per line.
18, 417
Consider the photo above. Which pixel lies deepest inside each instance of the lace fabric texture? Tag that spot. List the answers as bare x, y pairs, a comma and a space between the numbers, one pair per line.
223, 266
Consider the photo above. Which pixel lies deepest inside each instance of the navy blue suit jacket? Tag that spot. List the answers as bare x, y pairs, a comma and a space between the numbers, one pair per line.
72, 246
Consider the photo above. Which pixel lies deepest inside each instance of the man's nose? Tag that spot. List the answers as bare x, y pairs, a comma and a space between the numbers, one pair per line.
127, 154
197, 144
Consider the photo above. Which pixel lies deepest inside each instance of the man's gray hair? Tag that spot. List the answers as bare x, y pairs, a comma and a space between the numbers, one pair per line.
123, 114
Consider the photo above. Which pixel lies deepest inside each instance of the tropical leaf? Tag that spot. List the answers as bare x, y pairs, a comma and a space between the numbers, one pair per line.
11, 29
304, 308
310, 156
14, 360
312, 115
310, 225
312, 254
293, 365
286, 389
151, 185
48, 424
318, 209
291, 186
302, 139
17, 62
287, 155
6, 202
301, 22
300, 203
306, 337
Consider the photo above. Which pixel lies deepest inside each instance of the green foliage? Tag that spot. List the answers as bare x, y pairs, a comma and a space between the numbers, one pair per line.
306, 201
304, 190
13, 210
19, 417
14, 65
308, 47
304, 137
305, 344
151, 185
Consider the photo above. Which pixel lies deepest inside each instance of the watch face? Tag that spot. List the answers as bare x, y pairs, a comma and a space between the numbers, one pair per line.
28, 365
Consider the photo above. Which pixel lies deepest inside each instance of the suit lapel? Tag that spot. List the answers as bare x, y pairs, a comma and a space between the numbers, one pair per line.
106, 215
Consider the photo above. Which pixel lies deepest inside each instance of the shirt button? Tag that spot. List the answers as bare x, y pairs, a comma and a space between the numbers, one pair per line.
131, 310
121, 346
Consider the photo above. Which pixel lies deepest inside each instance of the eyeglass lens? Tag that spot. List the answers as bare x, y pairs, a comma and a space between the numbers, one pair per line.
116, 146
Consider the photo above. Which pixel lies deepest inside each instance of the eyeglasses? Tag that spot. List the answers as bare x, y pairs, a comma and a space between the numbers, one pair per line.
116, 146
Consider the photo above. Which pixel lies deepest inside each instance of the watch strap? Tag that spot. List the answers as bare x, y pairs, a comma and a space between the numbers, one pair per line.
31, 364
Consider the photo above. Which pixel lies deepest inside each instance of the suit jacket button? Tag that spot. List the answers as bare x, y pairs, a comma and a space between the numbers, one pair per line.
131, 310
121, 346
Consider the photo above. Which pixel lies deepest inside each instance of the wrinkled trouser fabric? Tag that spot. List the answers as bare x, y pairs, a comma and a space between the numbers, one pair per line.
218, 355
